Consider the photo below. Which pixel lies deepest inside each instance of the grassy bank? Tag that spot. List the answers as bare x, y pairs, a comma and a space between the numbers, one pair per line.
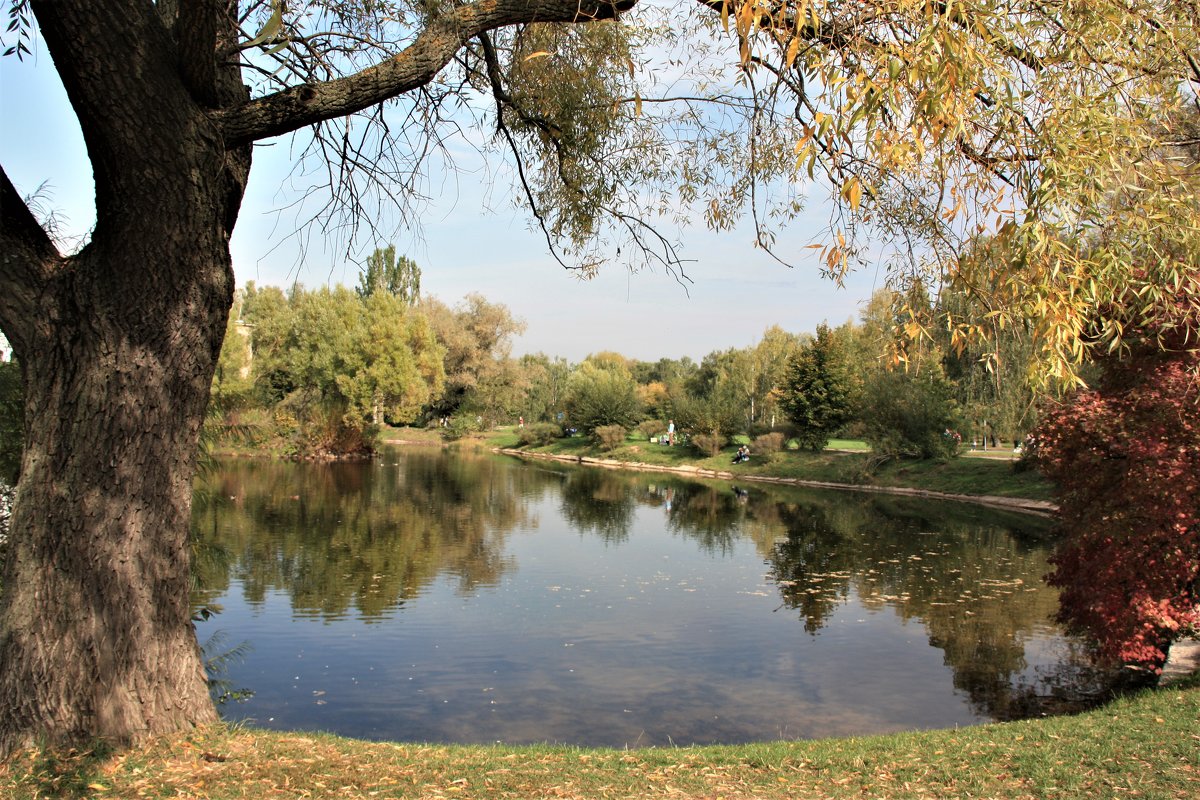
966, 475
1143, 746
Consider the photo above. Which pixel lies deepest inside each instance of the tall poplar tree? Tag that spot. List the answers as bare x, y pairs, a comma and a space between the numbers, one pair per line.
400, 277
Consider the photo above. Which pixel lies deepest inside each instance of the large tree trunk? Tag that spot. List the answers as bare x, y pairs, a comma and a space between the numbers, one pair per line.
117, 346
97, 637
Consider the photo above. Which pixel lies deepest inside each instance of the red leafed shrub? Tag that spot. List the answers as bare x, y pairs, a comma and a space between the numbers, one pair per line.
1125, 458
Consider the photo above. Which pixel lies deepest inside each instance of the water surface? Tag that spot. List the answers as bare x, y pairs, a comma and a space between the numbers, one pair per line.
470, 598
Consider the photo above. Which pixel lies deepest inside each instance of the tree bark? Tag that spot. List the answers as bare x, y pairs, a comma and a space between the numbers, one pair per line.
96, 638
118, 345
98, 568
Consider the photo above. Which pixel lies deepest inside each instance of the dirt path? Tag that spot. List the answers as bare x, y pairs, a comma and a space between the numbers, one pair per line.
1184, 660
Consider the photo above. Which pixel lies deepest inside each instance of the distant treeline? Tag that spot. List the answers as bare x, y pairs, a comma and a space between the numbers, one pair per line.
315, 373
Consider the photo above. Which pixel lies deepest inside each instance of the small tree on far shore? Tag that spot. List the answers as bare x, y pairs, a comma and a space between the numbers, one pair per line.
599, 396
911, 414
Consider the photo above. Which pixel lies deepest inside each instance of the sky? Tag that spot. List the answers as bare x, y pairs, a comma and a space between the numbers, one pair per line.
473, 238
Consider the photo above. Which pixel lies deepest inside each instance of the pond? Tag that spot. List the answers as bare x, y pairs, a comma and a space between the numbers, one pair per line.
472, 598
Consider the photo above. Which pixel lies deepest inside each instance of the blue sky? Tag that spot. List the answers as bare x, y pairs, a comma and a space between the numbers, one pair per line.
474, 239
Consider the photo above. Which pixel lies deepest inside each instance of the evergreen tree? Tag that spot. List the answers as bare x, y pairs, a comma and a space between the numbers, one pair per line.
820, 390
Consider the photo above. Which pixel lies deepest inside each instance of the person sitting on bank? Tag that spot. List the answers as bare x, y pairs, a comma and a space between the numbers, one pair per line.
742, 454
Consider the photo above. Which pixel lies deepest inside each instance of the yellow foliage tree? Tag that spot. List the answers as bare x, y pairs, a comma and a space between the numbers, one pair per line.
1060, 128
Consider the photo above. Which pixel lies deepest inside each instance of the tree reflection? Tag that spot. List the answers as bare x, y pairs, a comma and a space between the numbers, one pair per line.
813, 562
975, 586
362, 536
600, 502
710, 515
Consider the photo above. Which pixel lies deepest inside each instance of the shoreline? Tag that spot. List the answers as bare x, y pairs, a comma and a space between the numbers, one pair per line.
1041, 508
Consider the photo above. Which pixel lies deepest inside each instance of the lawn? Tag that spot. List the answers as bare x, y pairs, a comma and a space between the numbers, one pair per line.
844, 461
1147, 745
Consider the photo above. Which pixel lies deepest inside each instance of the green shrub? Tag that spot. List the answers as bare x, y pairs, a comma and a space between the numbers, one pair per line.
609, 437
652, 427
597, 397
911, 415
539, 434
462, 424
758, 429
323, 429
708, 443
768, 443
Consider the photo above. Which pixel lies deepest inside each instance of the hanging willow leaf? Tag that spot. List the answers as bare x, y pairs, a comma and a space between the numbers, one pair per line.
271, 27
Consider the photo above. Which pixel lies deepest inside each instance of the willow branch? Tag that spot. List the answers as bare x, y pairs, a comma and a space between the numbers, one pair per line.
300, 106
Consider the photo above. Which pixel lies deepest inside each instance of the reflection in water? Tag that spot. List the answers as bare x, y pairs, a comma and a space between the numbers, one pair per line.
975, 587
337, 536
594, 501
471, 598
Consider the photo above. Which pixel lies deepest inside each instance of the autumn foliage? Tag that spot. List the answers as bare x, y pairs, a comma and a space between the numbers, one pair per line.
1125, 458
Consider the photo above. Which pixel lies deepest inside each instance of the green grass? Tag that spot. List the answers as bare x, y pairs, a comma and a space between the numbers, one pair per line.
429, 436
1147, 745
967, 476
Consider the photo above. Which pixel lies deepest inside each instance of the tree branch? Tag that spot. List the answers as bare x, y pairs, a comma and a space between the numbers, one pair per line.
196, 44
26, 256
418, 64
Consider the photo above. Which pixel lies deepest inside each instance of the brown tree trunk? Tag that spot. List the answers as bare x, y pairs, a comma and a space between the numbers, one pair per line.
98, 566
118, 345
96, 638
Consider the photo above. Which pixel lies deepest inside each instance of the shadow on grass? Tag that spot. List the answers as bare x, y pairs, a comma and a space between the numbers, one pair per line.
64, 772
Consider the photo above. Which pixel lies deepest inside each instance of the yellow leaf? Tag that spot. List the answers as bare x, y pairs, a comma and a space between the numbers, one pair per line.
852, 191
637, 104
793, 49
538, 54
